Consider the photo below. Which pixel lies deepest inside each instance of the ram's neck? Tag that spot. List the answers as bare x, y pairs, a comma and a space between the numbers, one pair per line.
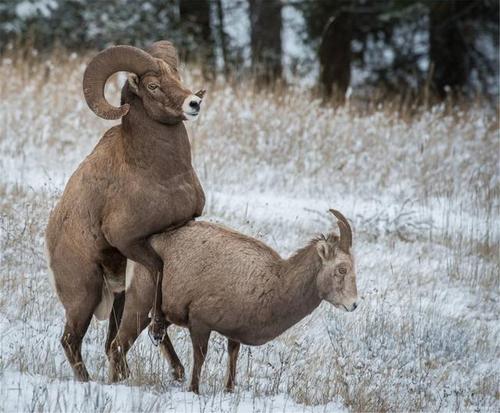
153, 145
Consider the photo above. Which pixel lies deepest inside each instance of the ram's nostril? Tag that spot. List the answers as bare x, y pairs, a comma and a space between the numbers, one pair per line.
195, 104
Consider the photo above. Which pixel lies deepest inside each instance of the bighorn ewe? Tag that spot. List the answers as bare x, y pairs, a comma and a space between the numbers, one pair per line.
220, 280
137, 181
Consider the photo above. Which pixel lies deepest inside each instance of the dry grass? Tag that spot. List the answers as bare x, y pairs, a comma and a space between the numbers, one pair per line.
422, 191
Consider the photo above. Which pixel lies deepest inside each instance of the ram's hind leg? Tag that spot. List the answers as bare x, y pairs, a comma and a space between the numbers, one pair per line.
134, 320
115, 318
80, 298
141, 251
130, 328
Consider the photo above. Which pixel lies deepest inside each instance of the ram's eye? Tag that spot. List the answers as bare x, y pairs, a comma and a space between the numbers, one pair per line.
342, 270
152, 86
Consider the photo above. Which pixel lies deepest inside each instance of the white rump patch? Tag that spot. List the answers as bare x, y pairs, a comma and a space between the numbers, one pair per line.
110, 287
129, 274
52, 279
103, 309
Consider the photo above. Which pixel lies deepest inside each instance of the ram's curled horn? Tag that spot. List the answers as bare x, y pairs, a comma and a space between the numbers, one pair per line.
345, 230
165, 51
109, 61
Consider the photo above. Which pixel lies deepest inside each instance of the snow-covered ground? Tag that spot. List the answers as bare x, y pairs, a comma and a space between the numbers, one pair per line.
422, 192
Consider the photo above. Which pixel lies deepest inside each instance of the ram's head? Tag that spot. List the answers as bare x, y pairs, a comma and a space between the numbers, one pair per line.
153, 78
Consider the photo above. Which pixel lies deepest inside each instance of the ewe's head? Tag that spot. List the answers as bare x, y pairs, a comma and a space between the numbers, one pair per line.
337, 277
153, 78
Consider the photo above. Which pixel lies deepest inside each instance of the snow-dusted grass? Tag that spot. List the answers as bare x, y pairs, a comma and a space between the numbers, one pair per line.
422, 193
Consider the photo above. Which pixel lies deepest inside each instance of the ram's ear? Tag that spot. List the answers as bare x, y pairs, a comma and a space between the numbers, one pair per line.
324, 250
200, 93
133, 83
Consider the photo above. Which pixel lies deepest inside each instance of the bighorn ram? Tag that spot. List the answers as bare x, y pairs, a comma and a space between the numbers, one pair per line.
137, 181
220, 280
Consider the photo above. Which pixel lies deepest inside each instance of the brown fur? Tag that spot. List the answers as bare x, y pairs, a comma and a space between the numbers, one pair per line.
137, 181
220, 280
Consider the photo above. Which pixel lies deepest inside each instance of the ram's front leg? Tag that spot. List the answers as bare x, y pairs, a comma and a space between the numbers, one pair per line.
141, 251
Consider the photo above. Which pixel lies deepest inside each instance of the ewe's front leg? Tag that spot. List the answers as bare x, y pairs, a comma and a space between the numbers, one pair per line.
168, 351
233, 348
199, 339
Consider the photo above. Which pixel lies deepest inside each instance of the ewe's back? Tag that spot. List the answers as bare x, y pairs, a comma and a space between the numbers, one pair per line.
204, 242
214, 265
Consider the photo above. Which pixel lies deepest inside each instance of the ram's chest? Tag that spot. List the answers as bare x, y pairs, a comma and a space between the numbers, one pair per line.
166, 202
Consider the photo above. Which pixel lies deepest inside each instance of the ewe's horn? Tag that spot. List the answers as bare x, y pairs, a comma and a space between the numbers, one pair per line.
345, 231
111, 60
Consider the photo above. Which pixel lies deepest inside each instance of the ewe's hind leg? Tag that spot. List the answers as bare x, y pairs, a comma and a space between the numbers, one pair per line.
141, 251
115, 319
80, 298
168, 351
233, 348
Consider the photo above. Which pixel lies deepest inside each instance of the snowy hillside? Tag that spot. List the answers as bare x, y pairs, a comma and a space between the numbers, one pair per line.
422, 193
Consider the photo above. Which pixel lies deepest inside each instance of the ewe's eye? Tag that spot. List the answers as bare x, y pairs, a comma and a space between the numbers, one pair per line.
152, 86
342, 270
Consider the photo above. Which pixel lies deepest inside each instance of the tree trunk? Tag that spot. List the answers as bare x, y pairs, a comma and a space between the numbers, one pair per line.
335, 57
448, 48
195, 22
265, 39
222, 36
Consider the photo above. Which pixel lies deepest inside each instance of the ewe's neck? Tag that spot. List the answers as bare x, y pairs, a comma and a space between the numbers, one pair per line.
297, 294
150, 144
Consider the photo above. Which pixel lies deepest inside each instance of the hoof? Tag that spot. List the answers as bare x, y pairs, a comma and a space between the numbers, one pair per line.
157, 330
81, 373
118, 373
118, 367
178, 374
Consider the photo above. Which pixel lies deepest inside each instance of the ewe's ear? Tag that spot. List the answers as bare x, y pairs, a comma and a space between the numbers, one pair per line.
324, 250
133, 83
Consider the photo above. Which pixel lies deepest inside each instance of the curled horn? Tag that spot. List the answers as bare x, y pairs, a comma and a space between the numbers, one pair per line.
102, 66
345, 231
165, 51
